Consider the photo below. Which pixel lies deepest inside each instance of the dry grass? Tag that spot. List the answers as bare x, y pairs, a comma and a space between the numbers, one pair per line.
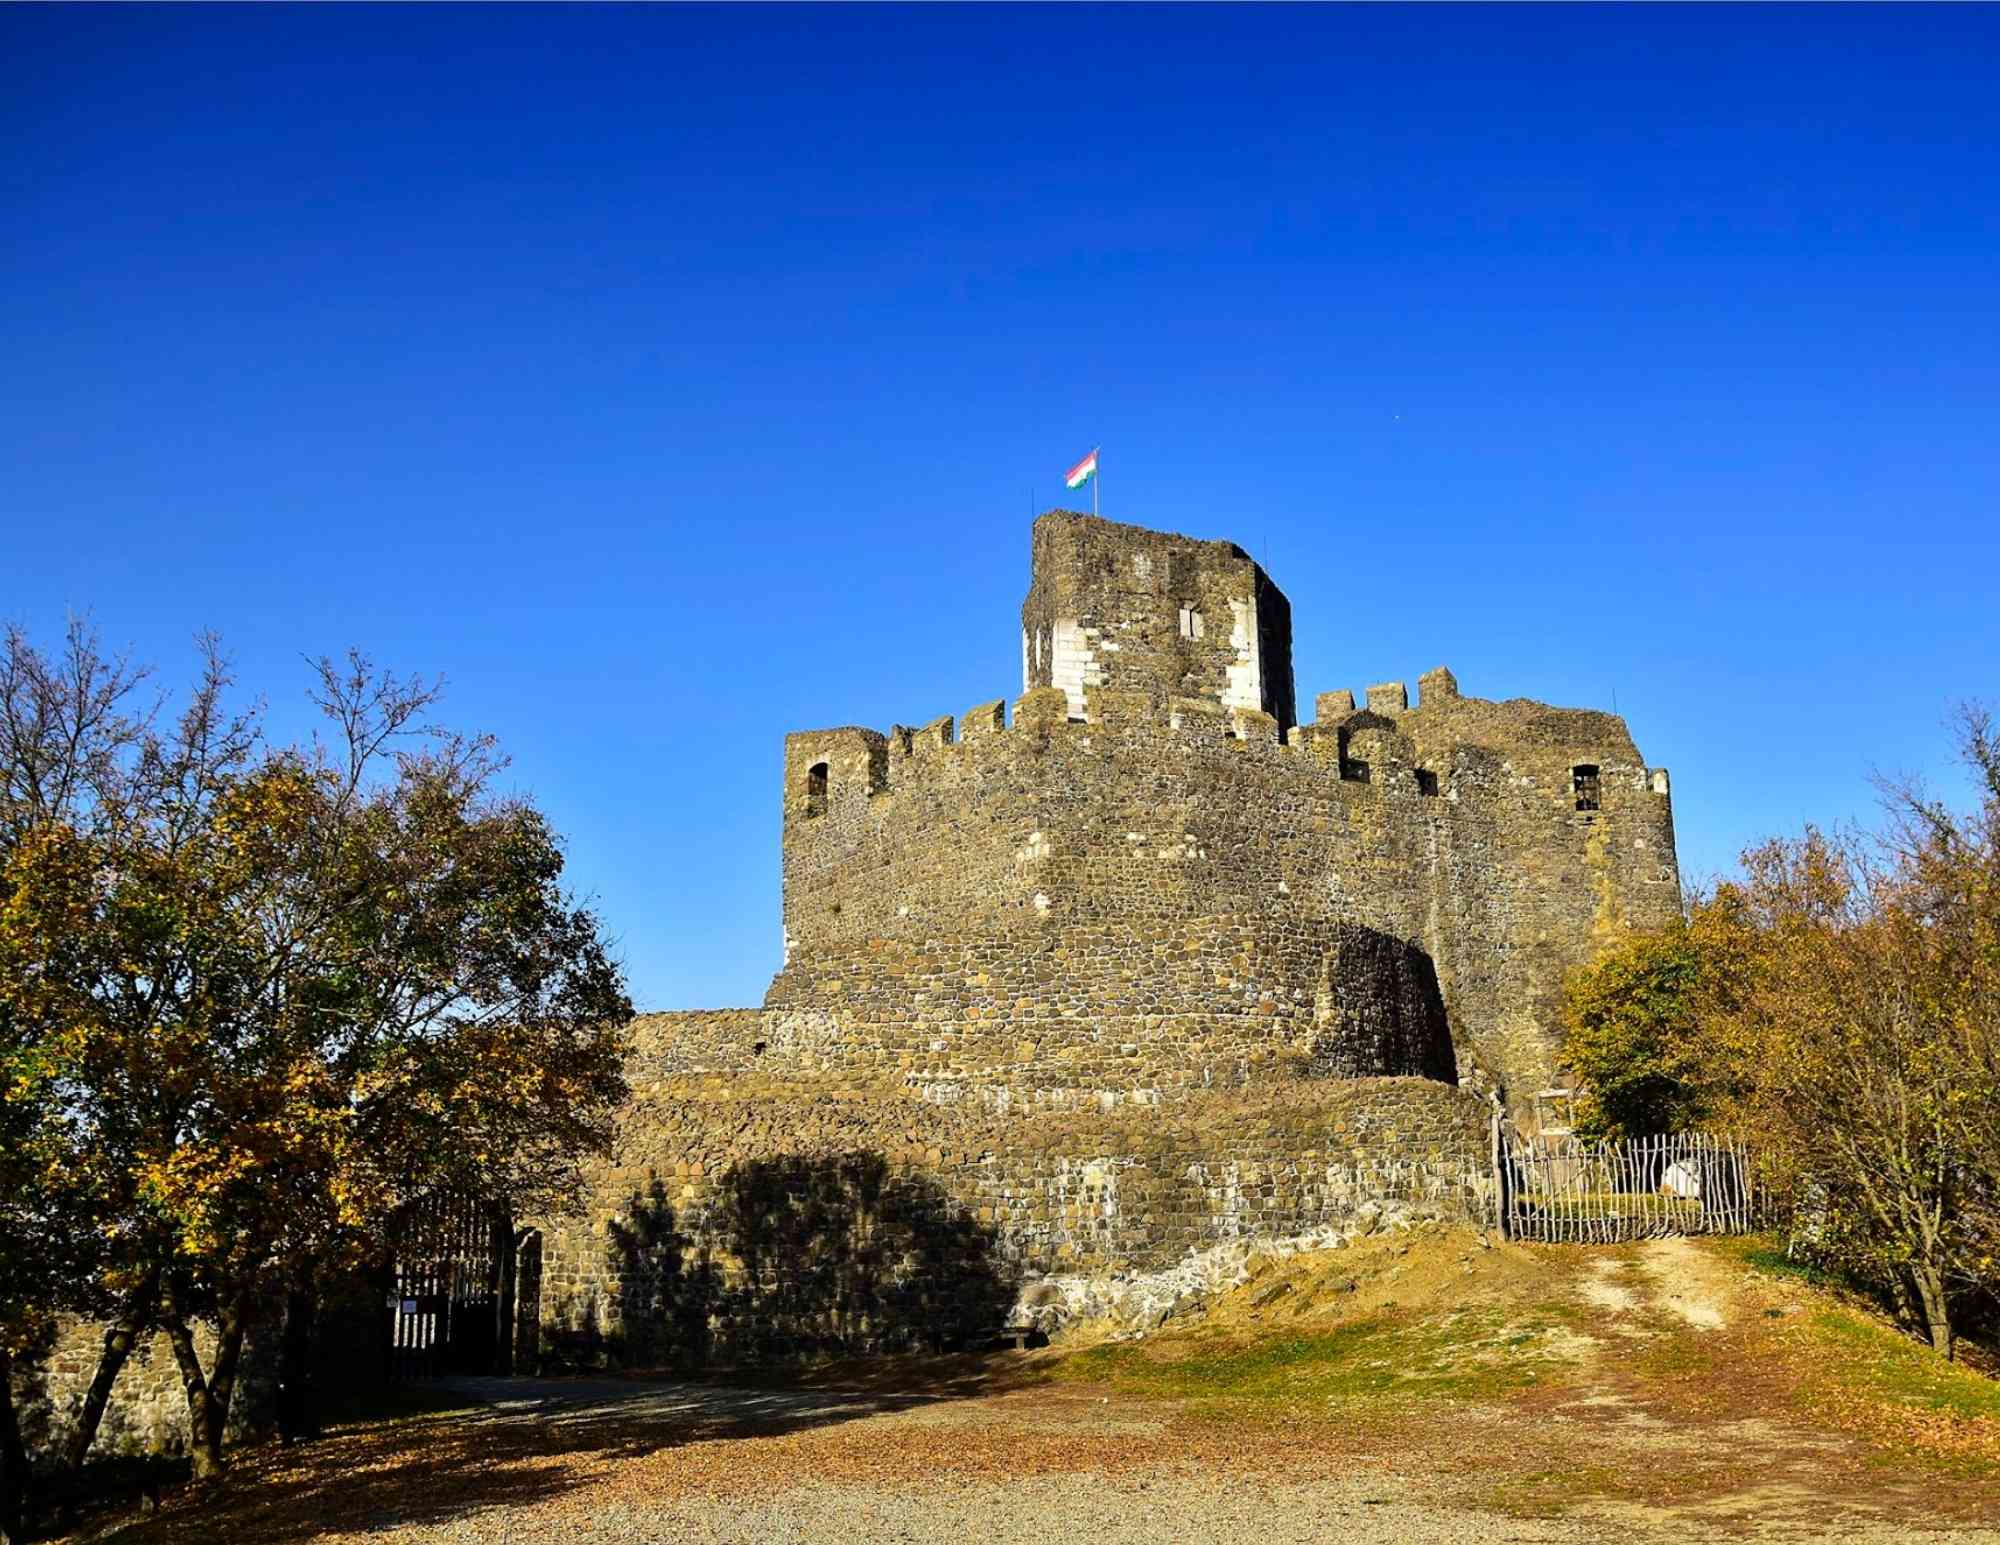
1668, 1381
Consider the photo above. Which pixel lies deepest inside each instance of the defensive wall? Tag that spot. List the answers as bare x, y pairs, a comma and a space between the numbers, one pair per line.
1083, 991
769, 1210
1178, 862
1080, 995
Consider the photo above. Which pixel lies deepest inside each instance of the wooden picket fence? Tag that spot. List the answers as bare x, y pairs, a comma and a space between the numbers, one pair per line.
1564, 1190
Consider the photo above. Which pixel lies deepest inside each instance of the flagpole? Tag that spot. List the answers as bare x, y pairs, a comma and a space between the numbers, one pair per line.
1096, 477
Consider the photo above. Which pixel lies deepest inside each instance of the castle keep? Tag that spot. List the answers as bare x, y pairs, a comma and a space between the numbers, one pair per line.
1142, 967
1155, 877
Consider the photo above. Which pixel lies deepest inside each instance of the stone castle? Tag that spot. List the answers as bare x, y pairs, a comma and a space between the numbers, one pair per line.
1144, 969
1156, 877
1081, 1004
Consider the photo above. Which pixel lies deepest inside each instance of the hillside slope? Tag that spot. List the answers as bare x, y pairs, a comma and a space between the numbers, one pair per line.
1673, 1373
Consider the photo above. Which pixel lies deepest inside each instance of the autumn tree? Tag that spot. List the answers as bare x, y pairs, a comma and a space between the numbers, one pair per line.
72, 757
314, 982
1629, 1033
1859, 1049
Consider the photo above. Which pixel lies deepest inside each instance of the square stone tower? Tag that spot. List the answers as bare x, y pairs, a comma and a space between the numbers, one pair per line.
1150, 612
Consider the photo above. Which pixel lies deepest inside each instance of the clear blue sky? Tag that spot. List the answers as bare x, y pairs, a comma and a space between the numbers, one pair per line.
672, 378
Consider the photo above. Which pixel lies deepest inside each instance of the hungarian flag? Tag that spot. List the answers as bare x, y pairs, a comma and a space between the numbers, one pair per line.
1082, 472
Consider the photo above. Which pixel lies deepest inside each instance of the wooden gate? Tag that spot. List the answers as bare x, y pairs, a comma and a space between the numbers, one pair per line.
1563, 1190
452, 1289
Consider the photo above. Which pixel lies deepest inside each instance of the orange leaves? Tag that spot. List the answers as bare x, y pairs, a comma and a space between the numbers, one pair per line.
253, 998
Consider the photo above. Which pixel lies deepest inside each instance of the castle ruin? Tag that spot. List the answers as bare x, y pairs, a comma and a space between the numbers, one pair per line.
1144, 966
1081, 1004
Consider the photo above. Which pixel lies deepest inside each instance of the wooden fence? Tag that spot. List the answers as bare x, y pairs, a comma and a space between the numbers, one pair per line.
1567, 1191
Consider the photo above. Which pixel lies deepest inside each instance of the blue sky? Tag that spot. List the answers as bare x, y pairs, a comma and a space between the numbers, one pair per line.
672, 378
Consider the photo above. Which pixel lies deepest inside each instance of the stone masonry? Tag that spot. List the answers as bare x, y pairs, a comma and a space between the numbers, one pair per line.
1152, 856
1082, 1002
1100, 990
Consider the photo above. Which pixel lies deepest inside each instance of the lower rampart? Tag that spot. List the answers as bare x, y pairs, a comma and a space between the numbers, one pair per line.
747, 1216
148, 1413
783, 1186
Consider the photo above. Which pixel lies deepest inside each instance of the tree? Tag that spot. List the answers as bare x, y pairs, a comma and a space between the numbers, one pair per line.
300, 986
70, 763
35, 1147
1630, 1033
1860, 1046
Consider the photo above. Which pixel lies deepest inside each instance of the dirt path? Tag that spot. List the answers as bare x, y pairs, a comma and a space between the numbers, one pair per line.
1638, 1394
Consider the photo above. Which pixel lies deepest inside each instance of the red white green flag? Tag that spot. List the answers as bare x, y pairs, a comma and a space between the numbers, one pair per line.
1082, 472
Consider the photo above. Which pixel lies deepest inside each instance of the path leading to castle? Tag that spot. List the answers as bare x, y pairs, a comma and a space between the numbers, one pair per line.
1428, 1389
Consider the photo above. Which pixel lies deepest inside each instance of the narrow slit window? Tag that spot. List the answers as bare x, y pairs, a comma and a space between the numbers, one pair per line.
1589, 792
1190, 622
1427, 783
816, 789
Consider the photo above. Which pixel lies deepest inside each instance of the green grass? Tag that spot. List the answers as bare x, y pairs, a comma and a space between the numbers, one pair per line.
1548, 1493
1765, 1253
1873, 1360
1467, 1355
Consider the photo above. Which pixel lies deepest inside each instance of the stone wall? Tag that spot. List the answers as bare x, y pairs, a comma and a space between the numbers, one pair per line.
1184, 862
746, 1216
1155, 614
148, 1409
148, 1412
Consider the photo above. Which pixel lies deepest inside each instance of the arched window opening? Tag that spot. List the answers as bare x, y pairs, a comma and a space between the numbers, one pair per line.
816, 789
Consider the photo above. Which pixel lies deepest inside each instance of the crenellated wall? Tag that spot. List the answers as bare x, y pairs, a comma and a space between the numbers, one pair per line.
1143, 967
1180, 859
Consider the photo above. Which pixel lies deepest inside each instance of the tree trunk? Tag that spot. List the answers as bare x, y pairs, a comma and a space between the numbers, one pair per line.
295, 1402
228, 1359
207, 1396
1928, 1283
13, 1461
506, 1243
204, 1443
119, 1338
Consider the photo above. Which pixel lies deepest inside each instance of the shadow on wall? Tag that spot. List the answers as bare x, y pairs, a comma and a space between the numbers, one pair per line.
1379, 1011
792, 1258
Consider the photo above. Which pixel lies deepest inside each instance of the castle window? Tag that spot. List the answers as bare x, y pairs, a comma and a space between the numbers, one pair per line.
1190, 622
1427, 783
1588, 791
816, 789
1352, 769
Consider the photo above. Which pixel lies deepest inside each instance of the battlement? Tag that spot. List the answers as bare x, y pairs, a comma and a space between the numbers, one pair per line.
1147, 835
1425, 738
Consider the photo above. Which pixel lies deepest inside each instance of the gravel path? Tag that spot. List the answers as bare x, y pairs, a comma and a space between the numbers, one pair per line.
1135, 1511
1192, 1499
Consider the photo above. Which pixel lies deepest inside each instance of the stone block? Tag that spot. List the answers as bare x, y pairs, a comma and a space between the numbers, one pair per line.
1388, 697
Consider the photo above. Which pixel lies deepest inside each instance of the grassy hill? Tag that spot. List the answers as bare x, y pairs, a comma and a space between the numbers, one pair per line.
1668, 1372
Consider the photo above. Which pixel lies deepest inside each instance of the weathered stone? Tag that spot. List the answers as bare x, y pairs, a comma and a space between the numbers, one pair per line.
1075, 1012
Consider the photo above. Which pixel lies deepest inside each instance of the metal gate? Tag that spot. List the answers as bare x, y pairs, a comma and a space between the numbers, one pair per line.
452, 1289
